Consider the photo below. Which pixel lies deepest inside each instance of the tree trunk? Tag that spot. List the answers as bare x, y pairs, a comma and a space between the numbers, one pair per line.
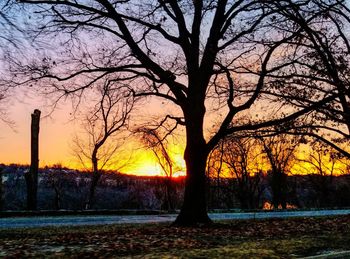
32, 176
95, 177
279, 189
57, 200
194, 208
91, 196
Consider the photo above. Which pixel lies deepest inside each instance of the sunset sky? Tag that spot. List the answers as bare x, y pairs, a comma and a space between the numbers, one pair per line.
58, 130
59, 127
56, 134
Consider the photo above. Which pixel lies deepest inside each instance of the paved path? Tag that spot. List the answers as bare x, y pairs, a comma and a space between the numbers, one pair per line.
41, 221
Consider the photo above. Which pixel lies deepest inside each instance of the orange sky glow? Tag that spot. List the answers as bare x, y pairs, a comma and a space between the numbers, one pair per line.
56, 134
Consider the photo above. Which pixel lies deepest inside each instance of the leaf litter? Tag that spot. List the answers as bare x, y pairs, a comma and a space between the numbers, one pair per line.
269, 238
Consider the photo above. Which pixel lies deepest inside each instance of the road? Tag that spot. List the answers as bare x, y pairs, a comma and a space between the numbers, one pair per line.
42, 221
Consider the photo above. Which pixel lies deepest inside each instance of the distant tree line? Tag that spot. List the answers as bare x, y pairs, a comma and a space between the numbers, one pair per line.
279, 171
61, 188
64, 189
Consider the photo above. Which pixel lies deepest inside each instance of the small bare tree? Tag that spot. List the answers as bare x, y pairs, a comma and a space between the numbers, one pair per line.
214, 176
242, 157
159, 147
280, 151
98, 145
321, 165
56, 180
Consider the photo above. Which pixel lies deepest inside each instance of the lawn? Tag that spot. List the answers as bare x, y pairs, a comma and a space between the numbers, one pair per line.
271, 238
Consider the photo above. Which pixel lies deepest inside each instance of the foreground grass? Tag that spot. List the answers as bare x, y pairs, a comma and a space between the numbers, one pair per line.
271, 238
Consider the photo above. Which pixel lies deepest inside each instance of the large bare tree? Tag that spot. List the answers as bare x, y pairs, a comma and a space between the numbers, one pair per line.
321, 61
212, 60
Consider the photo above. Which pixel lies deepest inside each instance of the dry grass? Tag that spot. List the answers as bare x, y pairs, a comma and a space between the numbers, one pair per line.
272, 238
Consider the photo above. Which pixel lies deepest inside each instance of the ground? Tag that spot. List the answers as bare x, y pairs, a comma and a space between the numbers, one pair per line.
267, 238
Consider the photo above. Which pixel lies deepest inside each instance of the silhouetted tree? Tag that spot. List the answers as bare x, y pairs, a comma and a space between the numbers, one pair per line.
320, 165
214, 177
280, 151
56, 182
320, 58
243, 158
102, 124
188, 53
160, 149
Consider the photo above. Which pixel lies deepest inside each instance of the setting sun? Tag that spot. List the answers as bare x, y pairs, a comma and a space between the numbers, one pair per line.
145, 163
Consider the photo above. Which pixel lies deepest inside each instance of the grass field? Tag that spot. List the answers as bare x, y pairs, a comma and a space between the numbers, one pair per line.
272, 238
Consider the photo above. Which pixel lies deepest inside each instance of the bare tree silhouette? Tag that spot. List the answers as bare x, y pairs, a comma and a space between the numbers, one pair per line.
321, 55
99, 145
321, 166
243, 158
160, 149
281, 152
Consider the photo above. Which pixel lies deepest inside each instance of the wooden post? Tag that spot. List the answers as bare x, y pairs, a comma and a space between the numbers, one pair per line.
32, 175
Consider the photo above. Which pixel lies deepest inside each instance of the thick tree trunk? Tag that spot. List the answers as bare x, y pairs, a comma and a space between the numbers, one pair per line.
194, 208
32, 176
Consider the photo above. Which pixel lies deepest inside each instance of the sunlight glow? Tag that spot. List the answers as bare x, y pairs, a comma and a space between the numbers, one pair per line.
55, 137
144, 163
